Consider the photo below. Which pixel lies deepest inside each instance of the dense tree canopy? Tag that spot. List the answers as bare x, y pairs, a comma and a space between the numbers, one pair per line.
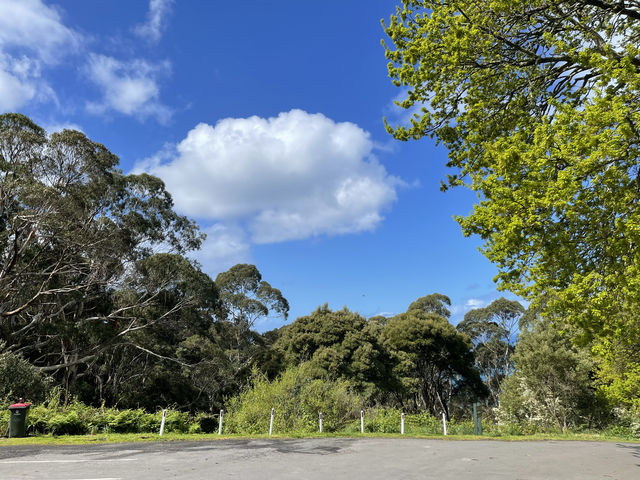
88, 304
552, 383
78, 274
338, 344
538, 105
433, 360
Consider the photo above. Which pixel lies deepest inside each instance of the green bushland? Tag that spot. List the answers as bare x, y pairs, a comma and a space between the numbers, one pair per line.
298, 396
77, 419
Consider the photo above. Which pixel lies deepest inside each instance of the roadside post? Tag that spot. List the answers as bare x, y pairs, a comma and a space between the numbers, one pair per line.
17, 418
271, 422
164, 417
320, 422
444, 423
361, 421
220, 422
402, 424
477, 420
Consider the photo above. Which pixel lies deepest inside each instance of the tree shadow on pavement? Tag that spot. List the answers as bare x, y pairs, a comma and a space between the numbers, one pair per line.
633, 449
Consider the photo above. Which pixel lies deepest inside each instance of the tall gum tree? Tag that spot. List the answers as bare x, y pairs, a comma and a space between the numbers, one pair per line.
494, 333
245, 298
73, 233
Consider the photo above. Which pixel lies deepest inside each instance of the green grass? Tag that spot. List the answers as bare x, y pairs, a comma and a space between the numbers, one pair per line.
171, 437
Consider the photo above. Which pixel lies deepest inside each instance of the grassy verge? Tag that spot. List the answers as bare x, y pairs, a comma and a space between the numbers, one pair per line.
172, 437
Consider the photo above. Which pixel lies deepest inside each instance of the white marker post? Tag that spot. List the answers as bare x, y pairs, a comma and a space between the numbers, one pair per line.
402, 424
320, 422
271, 422
361, 421
220, 422
164, 417
444, 423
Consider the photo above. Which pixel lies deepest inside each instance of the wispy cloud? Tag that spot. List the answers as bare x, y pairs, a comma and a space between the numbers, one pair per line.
32, 26
474, 303
156, 23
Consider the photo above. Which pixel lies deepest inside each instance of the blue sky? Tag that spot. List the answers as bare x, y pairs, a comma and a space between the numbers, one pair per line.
264, 119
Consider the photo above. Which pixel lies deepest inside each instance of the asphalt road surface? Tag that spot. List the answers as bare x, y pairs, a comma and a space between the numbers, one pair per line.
332, 458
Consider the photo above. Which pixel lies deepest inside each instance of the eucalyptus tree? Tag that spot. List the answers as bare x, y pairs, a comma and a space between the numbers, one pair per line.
77, 237
246, 298
433, 303
493, 331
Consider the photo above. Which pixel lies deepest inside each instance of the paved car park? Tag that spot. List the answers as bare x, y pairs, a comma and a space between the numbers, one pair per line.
333, 458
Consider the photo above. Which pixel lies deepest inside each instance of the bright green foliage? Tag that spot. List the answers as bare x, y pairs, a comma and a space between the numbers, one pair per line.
338, 344
76, 418
493, 331
434, 362
298, 398
619, 372
552, 385
538, 103
380, 420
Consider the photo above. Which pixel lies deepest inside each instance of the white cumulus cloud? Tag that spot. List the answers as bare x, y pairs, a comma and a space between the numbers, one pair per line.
294, 176
153, 28
130, 88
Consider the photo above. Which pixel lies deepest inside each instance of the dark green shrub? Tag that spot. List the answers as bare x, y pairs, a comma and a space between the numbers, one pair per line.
18, 378
206, 422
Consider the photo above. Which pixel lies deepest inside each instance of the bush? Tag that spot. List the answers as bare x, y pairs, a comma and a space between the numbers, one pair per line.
206, 423
18, 378
626, 423
298, 400
423, 423
383, 421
